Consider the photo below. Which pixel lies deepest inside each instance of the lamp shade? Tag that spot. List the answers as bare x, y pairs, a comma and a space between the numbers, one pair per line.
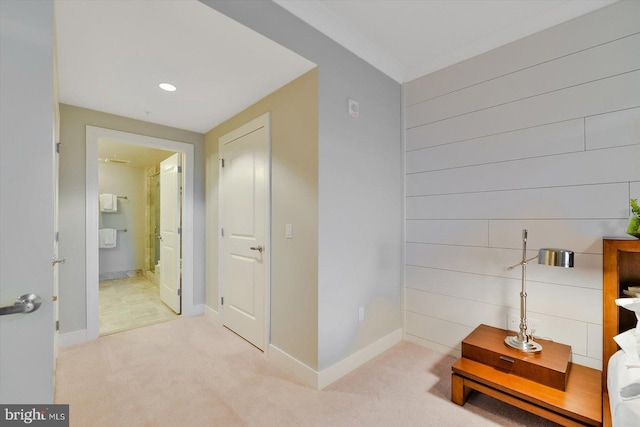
555, 257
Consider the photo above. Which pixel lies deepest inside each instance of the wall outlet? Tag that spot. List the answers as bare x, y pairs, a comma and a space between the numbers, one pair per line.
354, 108
360, 314
513, 323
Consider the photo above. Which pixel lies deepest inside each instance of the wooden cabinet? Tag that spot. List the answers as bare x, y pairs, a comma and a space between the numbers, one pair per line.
550, 367
580, 403
620, 269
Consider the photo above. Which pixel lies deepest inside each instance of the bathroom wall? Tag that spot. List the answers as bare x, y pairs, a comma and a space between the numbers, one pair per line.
128, 255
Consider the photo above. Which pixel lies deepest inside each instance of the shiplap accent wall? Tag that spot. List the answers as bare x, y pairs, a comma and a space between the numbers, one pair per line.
542, 134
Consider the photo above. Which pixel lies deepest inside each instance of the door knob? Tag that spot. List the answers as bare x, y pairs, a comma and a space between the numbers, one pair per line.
25, 304
256, 248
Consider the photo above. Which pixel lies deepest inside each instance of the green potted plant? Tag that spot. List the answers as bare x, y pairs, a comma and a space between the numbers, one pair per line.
634, 222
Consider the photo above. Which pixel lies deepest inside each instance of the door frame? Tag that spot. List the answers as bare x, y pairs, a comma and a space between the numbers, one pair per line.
93, 136
261, 121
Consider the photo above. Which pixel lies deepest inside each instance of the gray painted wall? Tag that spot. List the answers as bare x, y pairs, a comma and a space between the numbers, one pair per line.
360, 184
129, 251
543, 134
73, 122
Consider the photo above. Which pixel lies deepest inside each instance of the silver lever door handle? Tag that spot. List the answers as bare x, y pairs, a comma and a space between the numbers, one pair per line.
25, 304
60, 260
256, 248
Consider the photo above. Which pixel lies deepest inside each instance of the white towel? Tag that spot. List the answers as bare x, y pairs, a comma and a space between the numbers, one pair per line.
108, 202
108, 237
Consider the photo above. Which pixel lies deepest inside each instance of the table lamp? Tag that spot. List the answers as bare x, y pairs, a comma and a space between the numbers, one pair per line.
546, 256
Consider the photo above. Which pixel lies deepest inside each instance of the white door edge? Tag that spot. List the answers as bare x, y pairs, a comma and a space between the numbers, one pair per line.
261, 121
170, 241
93, 136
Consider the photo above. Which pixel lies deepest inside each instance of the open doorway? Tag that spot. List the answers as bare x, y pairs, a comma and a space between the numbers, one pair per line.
113, 178
130, 210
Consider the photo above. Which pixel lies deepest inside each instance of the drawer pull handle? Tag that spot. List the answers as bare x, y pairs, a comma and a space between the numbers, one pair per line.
506, 359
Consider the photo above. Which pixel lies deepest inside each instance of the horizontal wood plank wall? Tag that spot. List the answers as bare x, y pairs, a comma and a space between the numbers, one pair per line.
543, 134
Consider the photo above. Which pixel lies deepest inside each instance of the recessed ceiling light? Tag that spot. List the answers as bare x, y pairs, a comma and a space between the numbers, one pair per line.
168, 87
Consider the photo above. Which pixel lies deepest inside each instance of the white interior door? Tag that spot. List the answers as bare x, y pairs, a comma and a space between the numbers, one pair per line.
170, 233
26, 222
245, 212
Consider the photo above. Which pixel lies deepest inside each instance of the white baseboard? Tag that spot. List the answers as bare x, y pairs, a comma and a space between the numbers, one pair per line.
211, 314
438, 348
308, 376
357, 359
319, 380
72, 338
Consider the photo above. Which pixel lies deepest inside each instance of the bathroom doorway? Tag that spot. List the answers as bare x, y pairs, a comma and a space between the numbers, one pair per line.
129, 236
123, 276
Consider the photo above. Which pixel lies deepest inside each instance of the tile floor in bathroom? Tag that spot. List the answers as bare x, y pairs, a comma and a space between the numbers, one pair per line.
131, 303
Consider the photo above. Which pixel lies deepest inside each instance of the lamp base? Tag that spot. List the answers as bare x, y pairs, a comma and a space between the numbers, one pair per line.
527, 346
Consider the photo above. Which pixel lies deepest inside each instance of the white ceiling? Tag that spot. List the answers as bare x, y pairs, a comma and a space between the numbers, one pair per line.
112, 54
407, 39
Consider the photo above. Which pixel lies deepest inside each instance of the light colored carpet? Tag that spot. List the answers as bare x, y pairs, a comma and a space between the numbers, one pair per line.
193, 372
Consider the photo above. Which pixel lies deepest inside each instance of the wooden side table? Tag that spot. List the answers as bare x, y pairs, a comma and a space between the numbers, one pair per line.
579, 404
